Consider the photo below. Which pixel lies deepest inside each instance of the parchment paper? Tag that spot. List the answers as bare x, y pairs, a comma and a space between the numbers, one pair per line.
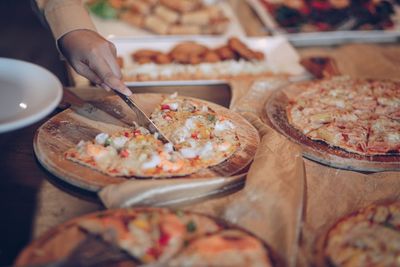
331, 194
269, 205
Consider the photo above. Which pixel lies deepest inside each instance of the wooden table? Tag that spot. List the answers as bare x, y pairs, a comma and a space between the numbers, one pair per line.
31, 200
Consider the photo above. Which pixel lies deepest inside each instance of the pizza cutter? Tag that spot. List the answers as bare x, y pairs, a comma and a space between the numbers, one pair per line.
141, 117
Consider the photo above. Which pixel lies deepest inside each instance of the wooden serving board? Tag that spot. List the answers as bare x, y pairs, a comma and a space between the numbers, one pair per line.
58, 243
108, 114
317, 150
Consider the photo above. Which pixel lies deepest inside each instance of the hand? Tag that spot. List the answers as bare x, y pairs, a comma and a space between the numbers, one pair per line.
93, 57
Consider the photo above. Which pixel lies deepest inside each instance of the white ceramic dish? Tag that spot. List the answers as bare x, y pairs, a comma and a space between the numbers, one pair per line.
27, 93
281, 57
116, 28
326, 38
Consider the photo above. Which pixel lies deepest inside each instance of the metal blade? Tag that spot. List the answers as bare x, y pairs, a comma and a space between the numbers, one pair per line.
142, 118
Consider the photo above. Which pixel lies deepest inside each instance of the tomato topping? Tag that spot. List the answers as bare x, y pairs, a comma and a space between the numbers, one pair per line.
124, 153
165, 106
153, 252
164, 239
137, 132
126, 134
195, 135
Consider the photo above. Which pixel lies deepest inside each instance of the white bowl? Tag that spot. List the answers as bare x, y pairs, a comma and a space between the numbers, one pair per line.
28, 93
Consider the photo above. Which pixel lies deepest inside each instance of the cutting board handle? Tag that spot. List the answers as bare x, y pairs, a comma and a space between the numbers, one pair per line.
321, 67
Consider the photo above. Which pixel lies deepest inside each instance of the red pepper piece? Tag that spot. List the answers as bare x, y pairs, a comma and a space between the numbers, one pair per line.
165, 106
124, 153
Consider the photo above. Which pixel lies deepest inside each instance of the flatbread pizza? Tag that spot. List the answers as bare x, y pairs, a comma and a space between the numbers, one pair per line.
153, 237
356, 115
369, 237
177, 238
201, 139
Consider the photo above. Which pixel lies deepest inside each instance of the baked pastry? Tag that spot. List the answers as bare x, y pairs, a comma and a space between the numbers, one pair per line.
165, 16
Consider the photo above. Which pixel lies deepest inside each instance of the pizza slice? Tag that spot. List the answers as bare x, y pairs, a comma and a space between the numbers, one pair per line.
369, 237
198, 133
225, 248
131, 152
150, 236
384, 136
350, 136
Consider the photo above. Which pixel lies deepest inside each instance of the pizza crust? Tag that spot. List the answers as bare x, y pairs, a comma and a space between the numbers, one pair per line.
369, 237
359, 116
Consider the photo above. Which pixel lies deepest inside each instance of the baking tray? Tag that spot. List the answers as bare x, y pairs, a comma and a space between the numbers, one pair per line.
280, 54
116, 28
329, 37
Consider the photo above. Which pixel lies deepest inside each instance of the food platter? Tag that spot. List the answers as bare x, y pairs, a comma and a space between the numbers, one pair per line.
56, 245
275, 110
116, 28
328, 37
67, 128
280, 56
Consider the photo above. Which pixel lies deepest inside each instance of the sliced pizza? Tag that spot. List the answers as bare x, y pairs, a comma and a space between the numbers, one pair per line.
131, 152
198, 132
359, 116
201, 138
369, 237
177, 238
226, 248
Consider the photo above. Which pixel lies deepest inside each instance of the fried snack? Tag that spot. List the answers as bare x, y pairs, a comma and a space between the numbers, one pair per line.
182, 58
138, 6
144, 56
189, 48
131, 18
217, 26
155, 24
259, 55
166, 14
241, 49
225, 52
195, 59
182, 6
200, 17
184, 29
211, 57
162, 59
144, 60
142, 53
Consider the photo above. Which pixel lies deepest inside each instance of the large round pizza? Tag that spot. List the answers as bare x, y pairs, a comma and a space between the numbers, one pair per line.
201, 138
368, 238
347, 118
155, 237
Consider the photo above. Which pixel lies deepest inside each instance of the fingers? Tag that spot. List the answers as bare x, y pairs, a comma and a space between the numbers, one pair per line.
102, 68
84, 70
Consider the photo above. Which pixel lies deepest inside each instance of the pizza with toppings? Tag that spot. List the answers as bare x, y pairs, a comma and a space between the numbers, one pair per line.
369, 237
201, 139
178, 238
359, 116
198, 132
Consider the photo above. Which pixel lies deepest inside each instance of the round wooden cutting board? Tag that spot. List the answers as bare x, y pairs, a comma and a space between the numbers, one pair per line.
317, 150
109, 114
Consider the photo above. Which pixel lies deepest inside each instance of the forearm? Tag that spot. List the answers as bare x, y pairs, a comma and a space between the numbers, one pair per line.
64, 16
